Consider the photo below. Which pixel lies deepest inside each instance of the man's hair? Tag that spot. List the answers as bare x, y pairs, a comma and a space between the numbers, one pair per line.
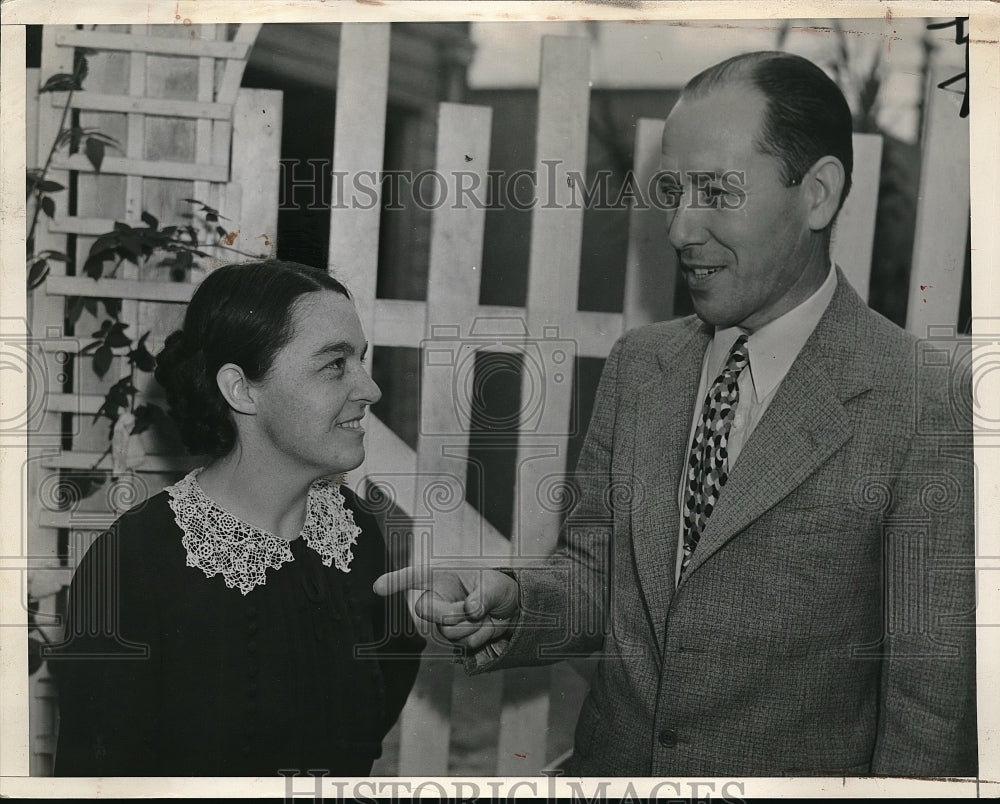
807, 116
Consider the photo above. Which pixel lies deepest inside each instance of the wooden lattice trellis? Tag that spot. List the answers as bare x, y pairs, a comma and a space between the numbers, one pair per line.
171, 97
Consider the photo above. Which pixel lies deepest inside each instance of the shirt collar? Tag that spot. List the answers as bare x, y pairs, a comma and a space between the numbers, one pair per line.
774, 347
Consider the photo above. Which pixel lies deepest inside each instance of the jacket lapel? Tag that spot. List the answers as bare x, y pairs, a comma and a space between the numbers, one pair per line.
804, 425
662, 422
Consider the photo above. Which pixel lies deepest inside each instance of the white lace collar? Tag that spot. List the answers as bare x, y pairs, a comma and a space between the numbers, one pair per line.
217, 542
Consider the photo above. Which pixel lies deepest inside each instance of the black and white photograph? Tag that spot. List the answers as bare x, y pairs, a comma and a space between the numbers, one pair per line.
491, 400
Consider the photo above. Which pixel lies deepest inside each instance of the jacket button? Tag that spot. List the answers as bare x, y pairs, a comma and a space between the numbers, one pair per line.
668, 737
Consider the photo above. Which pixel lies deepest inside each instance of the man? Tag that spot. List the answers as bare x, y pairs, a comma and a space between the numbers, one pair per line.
789, 588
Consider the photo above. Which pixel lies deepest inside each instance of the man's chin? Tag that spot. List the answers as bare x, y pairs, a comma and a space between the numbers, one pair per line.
715, 318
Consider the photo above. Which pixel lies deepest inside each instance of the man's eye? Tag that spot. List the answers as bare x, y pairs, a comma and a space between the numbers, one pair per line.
712, 195
670, 194
335, 365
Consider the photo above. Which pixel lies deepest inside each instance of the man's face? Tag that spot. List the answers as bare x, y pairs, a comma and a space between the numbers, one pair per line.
743, 240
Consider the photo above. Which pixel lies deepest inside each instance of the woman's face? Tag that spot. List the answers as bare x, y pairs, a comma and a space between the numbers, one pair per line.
310, 404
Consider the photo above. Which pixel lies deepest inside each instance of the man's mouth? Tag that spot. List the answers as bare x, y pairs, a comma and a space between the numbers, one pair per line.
701, 271
353, 424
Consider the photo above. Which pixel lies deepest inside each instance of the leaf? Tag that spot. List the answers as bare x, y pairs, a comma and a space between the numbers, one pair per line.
102, 360
150, 221
60, 82
95, 152
100, 135
48, 206
116, 398
107, 242
58, 256
86, 481
124, 386
39, 270
140, 356
74, 307
47, 186
221, 232
90, 348
113, 307
102, 333
182, 261
90, 305
94, 266
147, 415
117, 338
129, 247
108, 412
80, 67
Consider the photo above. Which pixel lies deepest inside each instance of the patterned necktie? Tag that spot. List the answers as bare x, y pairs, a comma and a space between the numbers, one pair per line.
708, 462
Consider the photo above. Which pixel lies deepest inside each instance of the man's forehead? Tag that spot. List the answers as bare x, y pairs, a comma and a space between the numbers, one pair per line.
716, 125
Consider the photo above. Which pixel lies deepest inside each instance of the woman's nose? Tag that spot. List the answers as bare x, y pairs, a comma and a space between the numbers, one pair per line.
368, 390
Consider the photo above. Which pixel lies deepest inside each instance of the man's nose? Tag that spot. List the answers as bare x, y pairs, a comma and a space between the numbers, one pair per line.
685, 224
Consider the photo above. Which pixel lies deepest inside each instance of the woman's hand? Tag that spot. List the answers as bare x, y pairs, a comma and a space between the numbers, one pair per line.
470, 606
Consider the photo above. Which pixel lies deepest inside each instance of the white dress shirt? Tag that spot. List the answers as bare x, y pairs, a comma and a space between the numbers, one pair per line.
772, 349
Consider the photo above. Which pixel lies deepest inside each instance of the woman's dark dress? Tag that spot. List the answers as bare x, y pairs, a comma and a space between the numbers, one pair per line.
307, 671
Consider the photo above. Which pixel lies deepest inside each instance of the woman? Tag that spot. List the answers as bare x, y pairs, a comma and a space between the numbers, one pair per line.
227, 625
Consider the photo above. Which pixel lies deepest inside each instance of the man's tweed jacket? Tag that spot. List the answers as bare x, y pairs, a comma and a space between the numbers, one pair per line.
824, 625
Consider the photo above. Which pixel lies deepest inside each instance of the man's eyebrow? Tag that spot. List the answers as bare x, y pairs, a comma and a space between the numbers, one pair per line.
674, 176
343, 347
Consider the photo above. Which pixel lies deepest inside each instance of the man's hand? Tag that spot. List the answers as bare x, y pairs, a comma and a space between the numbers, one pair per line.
470, 607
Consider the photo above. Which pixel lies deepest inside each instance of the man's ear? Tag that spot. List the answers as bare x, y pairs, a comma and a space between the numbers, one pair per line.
822, 186
236, 389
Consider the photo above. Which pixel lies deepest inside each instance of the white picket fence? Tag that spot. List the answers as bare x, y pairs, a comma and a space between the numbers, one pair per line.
523, 719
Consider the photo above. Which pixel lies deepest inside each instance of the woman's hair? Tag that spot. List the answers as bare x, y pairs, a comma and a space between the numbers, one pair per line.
240, 314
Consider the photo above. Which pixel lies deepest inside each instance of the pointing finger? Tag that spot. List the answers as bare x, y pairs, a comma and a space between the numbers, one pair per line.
403, 580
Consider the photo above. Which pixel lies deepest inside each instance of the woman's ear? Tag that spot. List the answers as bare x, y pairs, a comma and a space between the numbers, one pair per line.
824, 183
236, 389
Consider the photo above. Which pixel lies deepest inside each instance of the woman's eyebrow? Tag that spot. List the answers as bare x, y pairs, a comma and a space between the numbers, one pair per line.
343, 347
340, 346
